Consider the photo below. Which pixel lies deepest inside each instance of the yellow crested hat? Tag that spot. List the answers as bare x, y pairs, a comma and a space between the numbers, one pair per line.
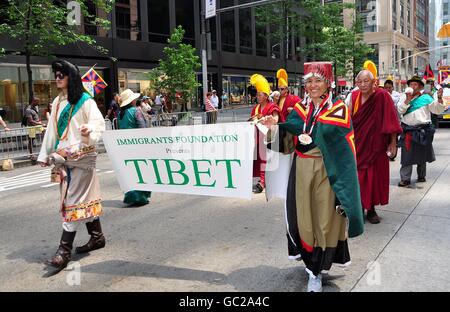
282, 78
370, 66
260, 83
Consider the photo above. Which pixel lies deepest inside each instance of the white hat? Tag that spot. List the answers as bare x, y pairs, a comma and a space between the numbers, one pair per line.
128, 96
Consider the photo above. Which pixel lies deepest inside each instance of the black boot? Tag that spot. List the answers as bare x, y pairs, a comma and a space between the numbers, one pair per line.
64, 252
97, 239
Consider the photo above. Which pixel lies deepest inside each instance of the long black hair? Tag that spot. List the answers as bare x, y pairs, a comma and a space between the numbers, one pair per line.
75, 87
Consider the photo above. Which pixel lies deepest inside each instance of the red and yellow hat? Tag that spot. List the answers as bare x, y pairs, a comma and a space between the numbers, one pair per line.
322, 70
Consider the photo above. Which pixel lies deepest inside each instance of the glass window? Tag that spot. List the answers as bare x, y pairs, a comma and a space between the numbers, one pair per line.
128, 22
185, 17
445, 8
365, 9
89, 27
261, 41
10, 99
228, 38
275, 45
245, 31
158, 21
238, 89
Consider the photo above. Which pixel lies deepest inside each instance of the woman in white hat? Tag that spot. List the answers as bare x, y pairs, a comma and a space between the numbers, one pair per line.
130, 118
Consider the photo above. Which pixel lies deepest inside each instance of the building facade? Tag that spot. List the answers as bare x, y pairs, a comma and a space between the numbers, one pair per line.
135, 43
439, 15
398, 32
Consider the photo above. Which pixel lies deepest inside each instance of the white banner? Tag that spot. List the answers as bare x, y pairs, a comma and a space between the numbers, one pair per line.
210, 8
214, 160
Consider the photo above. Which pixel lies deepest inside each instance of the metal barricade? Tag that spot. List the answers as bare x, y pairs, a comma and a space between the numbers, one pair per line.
21, 143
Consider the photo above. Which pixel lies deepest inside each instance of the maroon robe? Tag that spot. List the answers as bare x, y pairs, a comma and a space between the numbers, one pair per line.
286, 102
373, 123
259, 163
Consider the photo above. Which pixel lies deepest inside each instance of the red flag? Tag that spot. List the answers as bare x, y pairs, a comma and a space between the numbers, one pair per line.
428, 73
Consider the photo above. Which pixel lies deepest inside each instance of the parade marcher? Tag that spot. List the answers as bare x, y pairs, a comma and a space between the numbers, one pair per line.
69, 144
323, 191
416, 140
389, 87
262, 109
376, 126
287, 101
131, 117
275, 97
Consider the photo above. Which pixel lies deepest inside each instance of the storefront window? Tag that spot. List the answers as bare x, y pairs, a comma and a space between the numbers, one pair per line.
136, 80
14, 95
236, 89
9, 92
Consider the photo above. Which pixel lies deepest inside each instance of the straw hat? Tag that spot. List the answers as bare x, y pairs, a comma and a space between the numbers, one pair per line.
128, 96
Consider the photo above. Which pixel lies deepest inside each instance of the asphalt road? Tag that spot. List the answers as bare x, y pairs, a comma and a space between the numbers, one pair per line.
200, 243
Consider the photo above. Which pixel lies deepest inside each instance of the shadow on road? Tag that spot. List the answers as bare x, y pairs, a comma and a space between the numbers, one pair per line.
261, 278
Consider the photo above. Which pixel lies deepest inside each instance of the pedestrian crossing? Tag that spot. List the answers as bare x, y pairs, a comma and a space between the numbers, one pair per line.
33, 178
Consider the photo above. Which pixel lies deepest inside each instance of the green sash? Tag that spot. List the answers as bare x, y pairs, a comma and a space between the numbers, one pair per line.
63, 120
421, 101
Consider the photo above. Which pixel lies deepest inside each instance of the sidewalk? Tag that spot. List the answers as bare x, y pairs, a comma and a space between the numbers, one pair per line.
411, 246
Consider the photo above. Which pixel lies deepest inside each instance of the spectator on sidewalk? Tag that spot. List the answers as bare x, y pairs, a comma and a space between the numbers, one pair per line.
210, 109
215, 99
159, 103
224, 99
32, 119
113, 109
2, 122
130, 117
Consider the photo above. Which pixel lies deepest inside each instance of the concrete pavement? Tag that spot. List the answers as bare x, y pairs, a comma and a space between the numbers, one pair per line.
197, 243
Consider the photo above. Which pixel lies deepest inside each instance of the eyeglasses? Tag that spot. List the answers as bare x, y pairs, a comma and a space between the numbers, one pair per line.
60, 76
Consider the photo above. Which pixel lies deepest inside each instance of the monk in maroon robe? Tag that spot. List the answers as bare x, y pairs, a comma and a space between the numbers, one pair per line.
376, 127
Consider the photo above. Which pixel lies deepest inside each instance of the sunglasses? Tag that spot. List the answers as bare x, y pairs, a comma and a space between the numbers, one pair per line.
60, 76
282, 89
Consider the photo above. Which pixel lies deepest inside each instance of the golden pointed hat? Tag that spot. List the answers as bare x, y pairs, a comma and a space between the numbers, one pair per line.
282, 77
370, 66
260, 83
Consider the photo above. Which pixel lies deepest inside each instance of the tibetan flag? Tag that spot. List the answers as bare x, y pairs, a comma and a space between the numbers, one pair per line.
428, 73
93, 82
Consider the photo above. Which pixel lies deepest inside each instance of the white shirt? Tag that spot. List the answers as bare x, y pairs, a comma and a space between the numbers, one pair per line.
88, 115
215, 101
421, 115
157, 100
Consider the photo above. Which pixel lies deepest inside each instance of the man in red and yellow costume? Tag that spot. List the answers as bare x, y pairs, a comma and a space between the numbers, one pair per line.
287, 101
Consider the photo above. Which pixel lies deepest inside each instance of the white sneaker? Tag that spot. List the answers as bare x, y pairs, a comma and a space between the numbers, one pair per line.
315, 283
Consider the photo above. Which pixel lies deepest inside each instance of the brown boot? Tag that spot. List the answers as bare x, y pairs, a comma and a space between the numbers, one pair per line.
64, 252
373, 217
97, 239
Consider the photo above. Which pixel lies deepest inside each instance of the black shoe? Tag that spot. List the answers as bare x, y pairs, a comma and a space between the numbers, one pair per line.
373, 217
258, 188
404, 183
422, 179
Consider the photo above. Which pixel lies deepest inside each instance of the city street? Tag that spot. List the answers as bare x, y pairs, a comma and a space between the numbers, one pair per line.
193, 243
